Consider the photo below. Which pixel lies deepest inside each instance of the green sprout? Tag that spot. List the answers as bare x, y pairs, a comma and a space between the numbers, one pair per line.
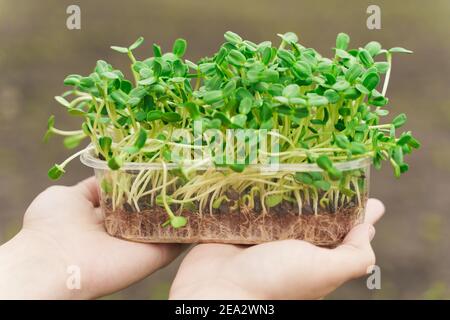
325, 110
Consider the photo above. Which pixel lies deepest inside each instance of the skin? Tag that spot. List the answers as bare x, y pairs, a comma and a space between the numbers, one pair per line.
290, 269
63, 227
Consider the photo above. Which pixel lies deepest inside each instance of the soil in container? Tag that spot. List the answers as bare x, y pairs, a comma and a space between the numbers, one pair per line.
231, 223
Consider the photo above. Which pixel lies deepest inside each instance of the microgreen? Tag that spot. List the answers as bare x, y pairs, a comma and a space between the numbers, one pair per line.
325, 110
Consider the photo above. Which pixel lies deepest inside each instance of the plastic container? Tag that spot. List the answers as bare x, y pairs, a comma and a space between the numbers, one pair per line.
262, 203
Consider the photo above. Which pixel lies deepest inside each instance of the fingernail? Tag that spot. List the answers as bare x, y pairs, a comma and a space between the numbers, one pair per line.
371, 232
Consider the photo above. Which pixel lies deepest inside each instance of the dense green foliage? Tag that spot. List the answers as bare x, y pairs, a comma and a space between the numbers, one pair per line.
324, 109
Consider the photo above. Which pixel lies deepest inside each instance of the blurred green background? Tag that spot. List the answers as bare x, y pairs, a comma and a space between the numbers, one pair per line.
37, 51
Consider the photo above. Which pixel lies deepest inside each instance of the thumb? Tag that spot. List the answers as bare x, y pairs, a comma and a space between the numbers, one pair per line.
355, 255
360, 236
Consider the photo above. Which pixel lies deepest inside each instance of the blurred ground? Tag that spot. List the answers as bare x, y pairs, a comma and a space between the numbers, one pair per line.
37, 51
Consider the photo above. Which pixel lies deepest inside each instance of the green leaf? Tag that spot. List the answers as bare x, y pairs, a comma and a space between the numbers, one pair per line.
266, 55
74, 141
373, 48
179, 47
334, 173
353, 72
348, 192
136, 44
303, 177
302, 70
236, 58
365, 58
154, 115
141, 139
193, 110
62, 101
86, 82
351, 93
397, 155
216, 203
414, 143
55, 172
105, 144
357, 148
332, 96
289, 37
109, 75
148, 81
382, 67
283, 109
292, 90
237, 167
297, 101
301, 112
341, 141
178, 222
50, 124
341, 85
269, 76
213, 96
120, 49
106, 186
115, 163
102, 66
342, 41
399, 50
119, 97
371, 80
404, 167
228, 88
239, 120
273, 200
316, 175
246, 105
72, 80
399, 120
125, 86
286, 56
156, 50
361, 88
171, 117
343, 54
324, 162
322, 184
232, 37
317, 101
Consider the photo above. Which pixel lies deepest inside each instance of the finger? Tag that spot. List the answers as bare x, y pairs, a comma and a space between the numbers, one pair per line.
98, 215
355, 255
88, 188
374, 211
132, 262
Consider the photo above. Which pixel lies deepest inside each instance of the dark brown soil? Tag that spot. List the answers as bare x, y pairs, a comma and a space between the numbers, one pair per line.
239, 226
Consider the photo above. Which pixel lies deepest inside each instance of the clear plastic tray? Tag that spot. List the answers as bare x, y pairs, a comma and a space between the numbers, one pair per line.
262, 203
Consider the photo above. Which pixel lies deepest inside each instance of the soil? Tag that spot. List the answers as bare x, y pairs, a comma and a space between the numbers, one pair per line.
233, 224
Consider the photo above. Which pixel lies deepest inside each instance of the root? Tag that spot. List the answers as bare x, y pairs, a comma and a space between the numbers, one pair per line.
242, 226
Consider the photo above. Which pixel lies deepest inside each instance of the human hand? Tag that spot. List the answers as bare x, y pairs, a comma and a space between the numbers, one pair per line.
289, 269
63, 227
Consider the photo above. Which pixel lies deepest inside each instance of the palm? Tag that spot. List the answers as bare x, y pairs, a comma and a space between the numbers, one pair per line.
68, 221
287, 269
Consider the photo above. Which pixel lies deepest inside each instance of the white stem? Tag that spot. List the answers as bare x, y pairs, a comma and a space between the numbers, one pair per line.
388, 74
